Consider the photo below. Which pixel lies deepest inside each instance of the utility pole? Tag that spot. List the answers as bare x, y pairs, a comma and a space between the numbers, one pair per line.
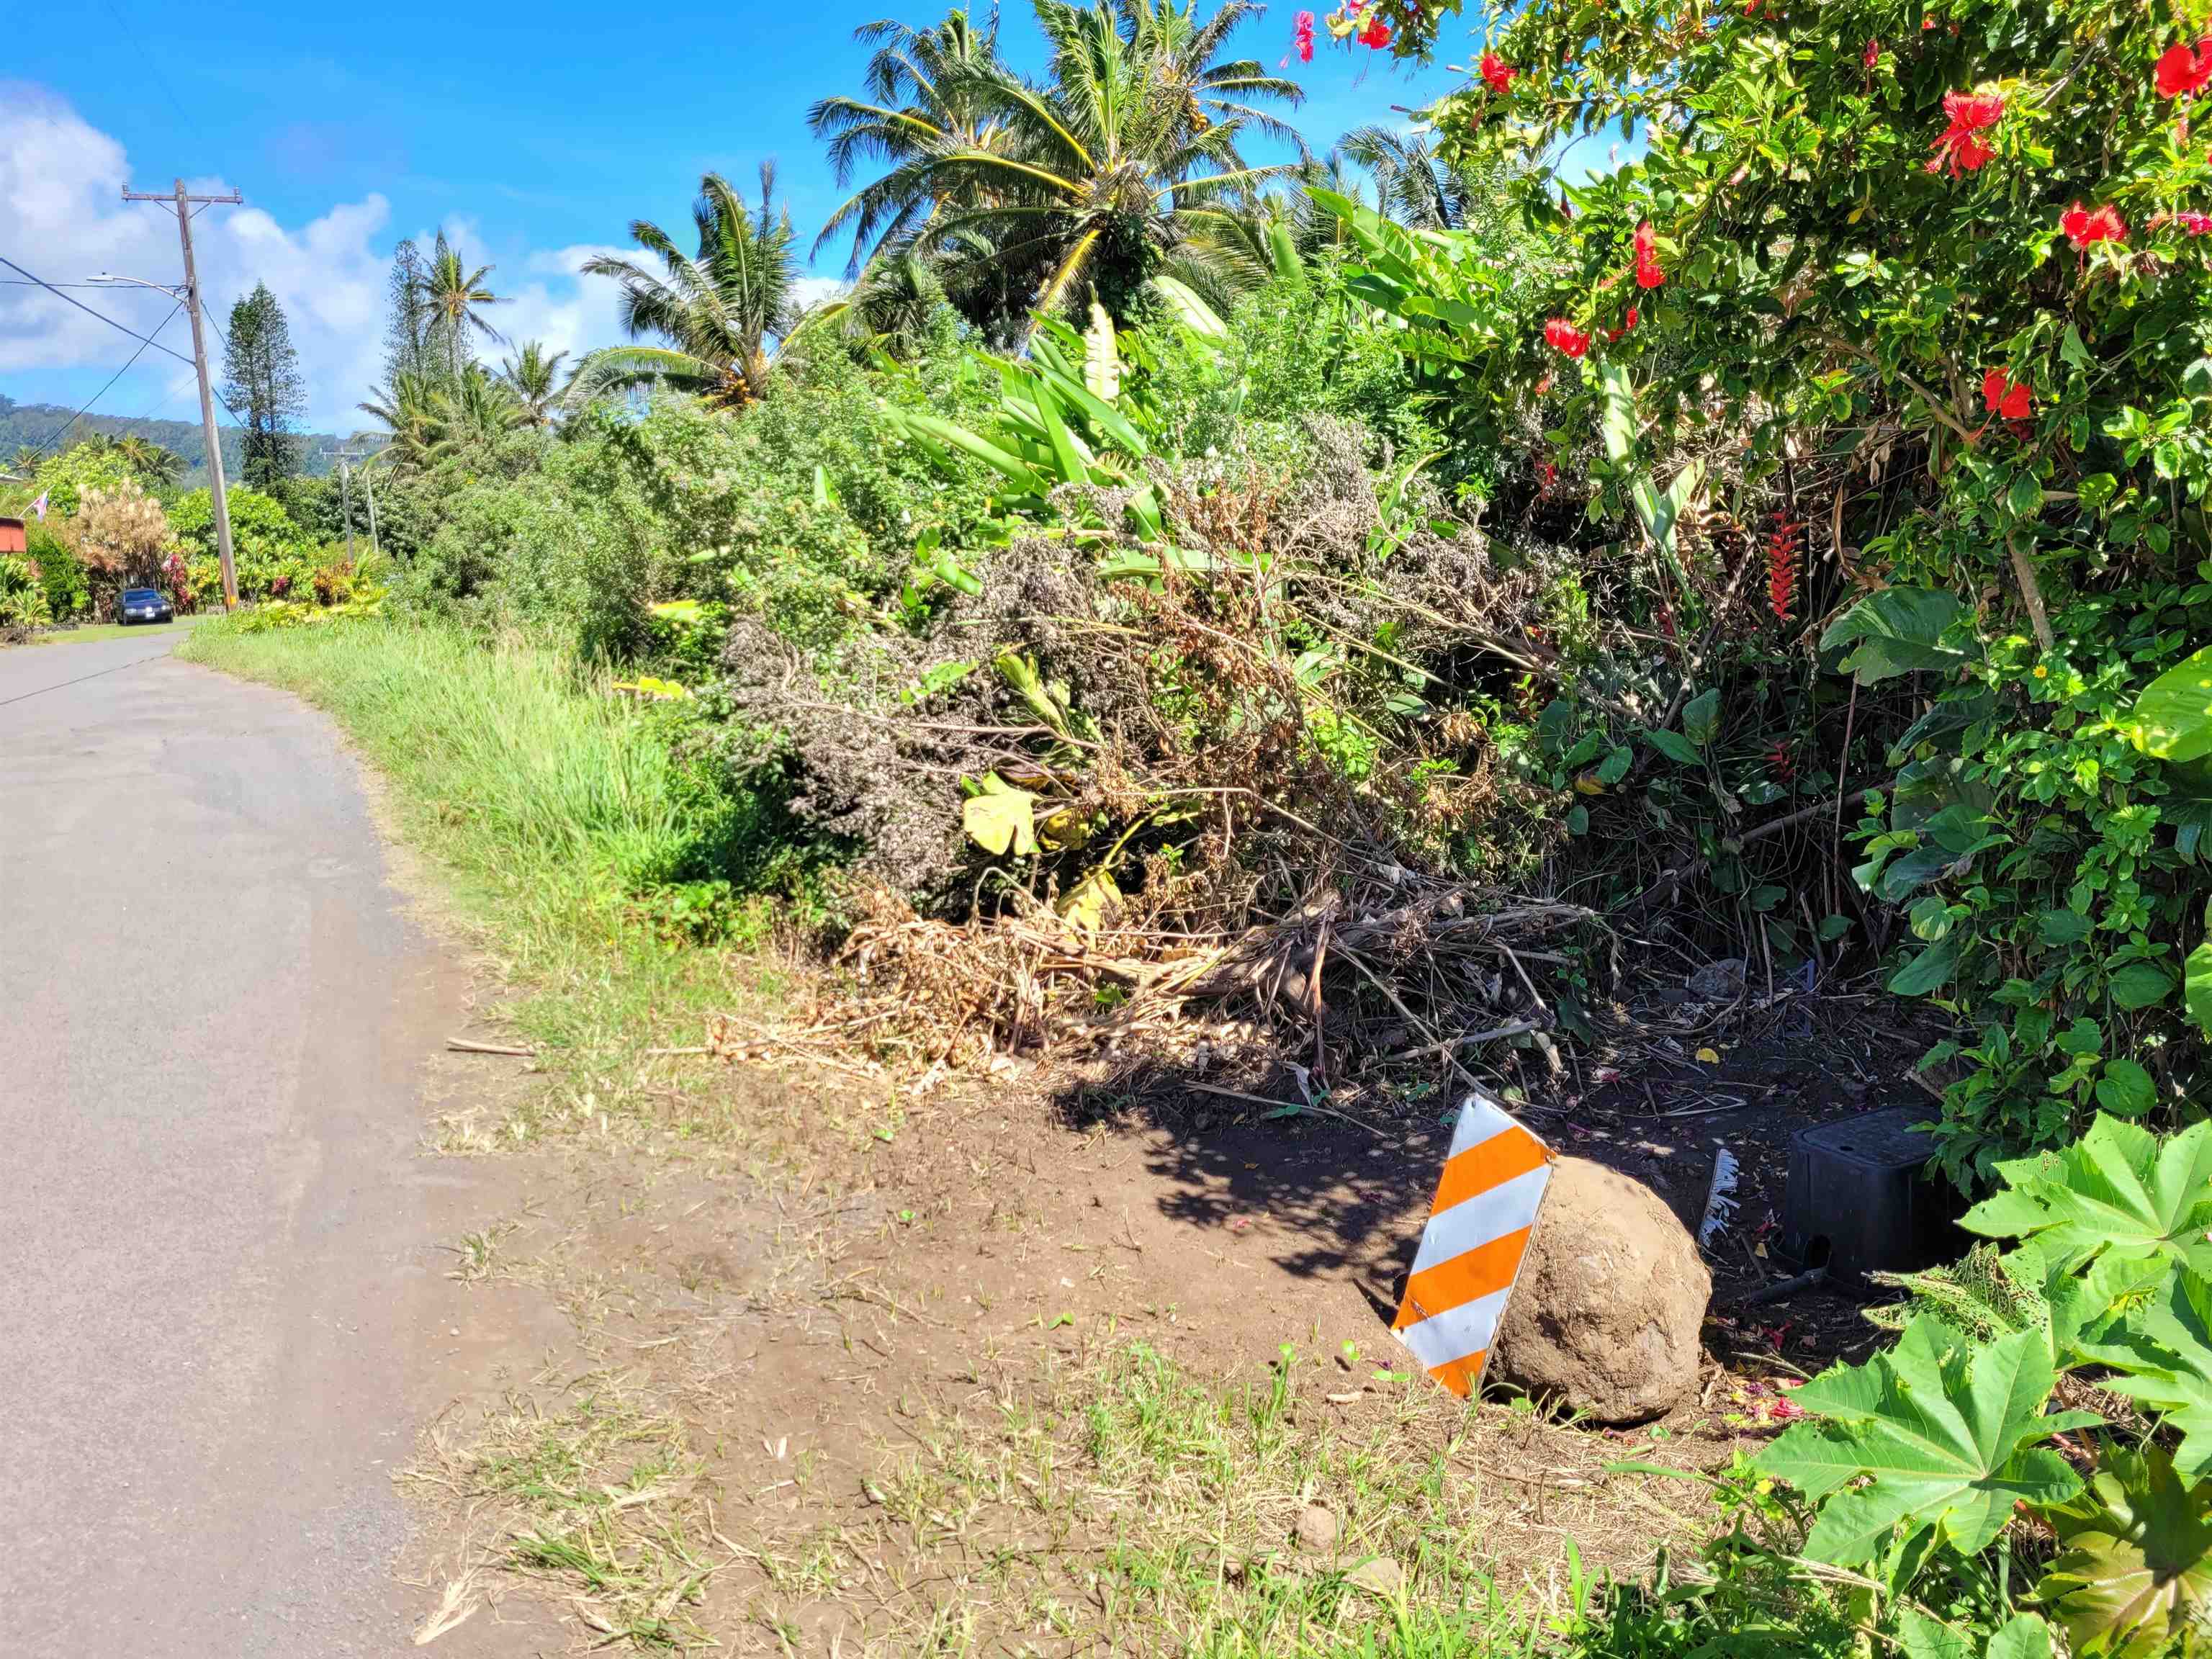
345, 500
184, 203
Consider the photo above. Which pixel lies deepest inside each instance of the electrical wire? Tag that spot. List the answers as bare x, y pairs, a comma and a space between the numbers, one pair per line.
64, 428
87, 310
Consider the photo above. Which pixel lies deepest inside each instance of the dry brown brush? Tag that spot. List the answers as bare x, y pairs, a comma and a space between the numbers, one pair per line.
1269, 783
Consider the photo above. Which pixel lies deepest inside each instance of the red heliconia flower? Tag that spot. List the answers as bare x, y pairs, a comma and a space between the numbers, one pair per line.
2005, 397
1960, 148
1872, 54
1547, 476
1779, 763
1564, 336
2181, 71
1648, 274
1376, 34
1782, 545
2084, 226
1302, 31
1497, 74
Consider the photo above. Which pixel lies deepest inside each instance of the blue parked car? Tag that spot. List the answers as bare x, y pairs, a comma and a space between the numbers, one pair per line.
143, 604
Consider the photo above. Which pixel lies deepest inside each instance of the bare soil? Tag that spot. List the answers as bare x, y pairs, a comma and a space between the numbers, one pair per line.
868, 1348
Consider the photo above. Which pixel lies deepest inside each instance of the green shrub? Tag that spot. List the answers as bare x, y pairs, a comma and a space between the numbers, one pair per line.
61, 571
22, 597
270, 555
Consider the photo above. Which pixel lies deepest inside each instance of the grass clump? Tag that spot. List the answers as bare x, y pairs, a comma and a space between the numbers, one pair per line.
601, 1501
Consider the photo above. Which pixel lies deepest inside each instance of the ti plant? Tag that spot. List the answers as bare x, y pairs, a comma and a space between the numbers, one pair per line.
1061, 422
1918, 1459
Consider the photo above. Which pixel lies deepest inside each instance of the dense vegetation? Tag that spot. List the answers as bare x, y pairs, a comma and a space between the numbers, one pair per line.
1235, 581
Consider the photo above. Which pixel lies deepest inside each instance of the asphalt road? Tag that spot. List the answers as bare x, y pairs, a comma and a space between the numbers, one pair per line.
214, 1228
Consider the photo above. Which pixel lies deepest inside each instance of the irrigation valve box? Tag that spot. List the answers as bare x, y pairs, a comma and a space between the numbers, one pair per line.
1861, 1198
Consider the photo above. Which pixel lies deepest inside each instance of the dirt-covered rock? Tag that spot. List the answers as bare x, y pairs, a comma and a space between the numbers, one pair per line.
1605, 1315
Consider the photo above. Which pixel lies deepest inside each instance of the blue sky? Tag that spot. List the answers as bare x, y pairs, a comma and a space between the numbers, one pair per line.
537, 133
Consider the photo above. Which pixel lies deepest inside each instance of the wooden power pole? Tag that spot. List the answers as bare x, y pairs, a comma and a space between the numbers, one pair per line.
184, 204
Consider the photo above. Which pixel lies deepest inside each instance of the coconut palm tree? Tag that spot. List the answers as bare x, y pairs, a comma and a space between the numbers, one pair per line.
724, 311
157, 467
1184, 50
431, 418
1089, 178
1416, 185
890, 306
457, 298
533, 374
470, 412
406, 407
920, 102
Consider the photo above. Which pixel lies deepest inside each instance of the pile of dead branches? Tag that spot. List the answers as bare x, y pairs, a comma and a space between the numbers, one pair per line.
1411, 973
1258, 786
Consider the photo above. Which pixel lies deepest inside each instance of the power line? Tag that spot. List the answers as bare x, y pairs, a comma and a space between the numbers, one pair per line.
154, 72
112, 380
87, 310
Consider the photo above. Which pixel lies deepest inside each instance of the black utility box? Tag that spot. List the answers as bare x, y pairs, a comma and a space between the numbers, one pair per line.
1862, 1200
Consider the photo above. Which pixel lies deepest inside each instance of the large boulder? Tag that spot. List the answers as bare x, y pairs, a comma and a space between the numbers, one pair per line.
1605, 1315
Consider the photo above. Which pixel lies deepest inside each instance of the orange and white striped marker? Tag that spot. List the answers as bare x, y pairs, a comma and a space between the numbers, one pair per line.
1471, 1250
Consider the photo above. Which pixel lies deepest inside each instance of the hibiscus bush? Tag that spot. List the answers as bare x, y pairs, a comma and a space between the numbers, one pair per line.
1919, 298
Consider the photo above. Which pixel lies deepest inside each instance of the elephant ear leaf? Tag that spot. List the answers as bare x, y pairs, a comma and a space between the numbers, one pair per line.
2134, 1570
1936, 1437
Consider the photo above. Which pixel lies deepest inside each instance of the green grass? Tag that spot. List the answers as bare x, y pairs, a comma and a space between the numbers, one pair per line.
1135, 1507
544, 800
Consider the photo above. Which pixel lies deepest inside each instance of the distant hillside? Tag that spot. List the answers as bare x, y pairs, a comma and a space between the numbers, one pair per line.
33, 423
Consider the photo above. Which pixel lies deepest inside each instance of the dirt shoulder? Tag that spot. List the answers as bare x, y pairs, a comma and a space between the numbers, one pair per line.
1055, 1369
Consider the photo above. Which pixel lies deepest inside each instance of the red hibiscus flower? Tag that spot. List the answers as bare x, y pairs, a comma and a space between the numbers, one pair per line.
1376, 34
2004, 396
2084, 226
2181, 71
1627, 322
1648, 274
1564, 336
1497, 74
1960, 148
1302, 30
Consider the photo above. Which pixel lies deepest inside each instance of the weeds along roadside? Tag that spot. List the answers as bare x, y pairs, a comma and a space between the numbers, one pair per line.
547, 804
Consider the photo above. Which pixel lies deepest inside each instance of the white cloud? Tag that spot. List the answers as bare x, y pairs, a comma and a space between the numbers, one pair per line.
559, 305
61, 181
